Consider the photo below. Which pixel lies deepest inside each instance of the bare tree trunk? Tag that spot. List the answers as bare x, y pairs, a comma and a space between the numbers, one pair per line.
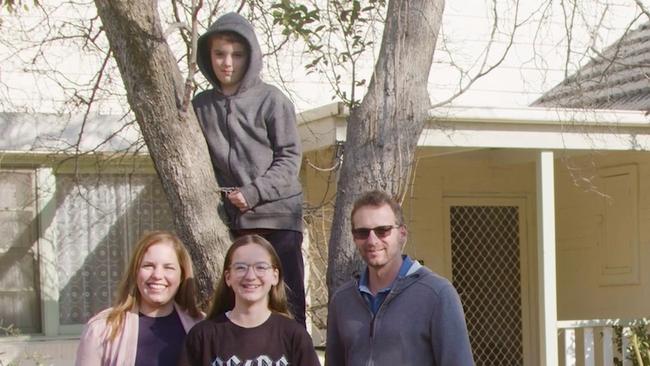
383, 132
155, 93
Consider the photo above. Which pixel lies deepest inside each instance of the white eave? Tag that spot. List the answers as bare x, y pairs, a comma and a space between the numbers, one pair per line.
537, 128
489, 127
322, 127
36, 133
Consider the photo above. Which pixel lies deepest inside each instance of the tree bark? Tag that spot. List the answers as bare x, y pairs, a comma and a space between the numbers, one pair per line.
382, 133
174, 138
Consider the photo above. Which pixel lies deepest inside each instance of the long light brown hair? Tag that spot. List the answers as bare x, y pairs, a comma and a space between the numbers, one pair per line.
128, 294
224, 297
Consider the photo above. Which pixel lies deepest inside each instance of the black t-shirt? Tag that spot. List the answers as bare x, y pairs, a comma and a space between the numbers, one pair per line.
160, 340
278, 341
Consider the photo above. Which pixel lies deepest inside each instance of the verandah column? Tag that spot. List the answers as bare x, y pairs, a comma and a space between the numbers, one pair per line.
546, 259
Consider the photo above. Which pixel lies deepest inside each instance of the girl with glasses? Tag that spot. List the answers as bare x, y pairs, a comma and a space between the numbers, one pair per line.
249, 321
154, 309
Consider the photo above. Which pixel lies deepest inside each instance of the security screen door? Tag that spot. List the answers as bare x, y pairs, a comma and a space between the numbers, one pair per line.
485, 239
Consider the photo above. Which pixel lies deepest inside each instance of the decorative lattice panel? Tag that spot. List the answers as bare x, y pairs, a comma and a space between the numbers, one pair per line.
99, 218
486, 272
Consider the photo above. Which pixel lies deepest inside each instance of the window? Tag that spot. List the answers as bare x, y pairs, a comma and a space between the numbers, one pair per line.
98, 219
66, 240
19, 279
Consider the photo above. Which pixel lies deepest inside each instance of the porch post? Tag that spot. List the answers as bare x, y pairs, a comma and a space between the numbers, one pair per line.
49, 278
548, 345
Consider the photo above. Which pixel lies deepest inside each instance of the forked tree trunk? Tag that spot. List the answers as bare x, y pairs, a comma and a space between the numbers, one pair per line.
154, 88
382, 133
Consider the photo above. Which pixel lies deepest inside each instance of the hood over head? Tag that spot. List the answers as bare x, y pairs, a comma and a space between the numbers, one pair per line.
231, 22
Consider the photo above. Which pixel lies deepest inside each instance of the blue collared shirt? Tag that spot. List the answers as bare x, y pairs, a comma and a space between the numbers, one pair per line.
375, 301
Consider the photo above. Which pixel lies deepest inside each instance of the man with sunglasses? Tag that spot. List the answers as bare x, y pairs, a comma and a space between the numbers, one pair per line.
397, 312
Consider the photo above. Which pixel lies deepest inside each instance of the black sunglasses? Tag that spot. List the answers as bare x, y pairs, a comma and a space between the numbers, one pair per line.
381, 231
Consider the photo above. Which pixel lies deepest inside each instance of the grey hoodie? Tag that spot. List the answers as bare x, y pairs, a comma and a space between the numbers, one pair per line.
252, 137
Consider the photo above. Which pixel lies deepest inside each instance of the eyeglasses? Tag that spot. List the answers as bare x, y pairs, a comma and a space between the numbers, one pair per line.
381, 231
259, 268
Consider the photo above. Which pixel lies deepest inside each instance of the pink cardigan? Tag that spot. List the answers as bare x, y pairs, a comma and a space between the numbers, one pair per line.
95, 349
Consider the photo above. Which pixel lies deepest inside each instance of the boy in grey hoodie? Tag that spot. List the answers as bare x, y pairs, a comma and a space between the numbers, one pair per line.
252, 136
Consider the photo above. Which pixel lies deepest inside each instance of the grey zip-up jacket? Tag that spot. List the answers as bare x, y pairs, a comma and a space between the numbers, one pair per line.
252, 137
420, 323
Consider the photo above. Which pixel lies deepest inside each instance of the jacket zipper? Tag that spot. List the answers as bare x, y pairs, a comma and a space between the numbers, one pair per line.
228, 111
228, 128
388, 298
372, 335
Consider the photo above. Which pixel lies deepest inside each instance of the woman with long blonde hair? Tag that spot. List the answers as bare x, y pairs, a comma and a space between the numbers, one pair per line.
249, 321
154, 309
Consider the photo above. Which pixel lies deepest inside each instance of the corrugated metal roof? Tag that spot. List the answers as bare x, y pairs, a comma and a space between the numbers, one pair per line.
618, 79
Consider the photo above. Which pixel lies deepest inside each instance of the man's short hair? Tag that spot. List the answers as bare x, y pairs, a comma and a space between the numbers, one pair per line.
378, 198
232, 37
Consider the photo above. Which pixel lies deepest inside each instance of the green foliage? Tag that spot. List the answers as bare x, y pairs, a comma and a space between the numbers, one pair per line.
336, 36
32, 358
638, 346
8, 330
13, 5
295, 18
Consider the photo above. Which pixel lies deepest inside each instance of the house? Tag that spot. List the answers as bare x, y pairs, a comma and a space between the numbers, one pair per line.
71, 209
536, 214
617, 79
67, 226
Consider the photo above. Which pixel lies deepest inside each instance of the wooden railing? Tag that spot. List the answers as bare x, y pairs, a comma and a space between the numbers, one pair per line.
592, 342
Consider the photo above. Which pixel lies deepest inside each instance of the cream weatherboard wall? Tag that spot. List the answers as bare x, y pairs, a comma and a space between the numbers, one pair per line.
480, 179
471, 173
603, 236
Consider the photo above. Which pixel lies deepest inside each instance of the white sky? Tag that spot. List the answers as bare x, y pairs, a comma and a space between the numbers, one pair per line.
535, 63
